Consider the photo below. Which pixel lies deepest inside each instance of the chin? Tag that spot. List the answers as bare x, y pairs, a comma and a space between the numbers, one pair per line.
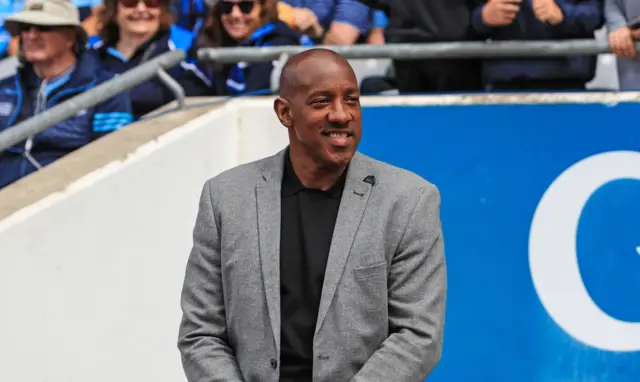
340, 159
142, 27
238, 35
34, 57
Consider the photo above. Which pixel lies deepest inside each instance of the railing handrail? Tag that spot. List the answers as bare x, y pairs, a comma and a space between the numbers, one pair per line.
413, 51
125, 81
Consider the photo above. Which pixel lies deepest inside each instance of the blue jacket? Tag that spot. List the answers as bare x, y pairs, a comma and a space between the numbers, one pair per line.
18, 98
190, 14
581, 19
153, 94
255, 78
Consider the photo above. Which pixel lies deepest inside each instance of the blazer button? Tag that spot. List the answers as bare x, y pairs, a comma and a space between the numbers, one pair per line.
274, 363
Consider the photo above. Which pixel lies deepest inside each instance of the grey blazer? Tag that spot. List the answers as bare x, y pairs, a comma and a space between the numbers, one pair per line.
381, 315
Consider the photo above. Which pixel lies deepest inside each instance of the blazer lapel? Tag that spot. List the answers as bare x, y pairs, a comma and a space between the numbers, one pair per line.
354, 200
268, 205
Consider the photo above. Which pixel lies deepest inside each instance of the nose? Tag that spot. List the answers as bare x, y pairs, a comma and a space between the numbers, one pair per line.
235, 11
30, 32
338, 114
141, 6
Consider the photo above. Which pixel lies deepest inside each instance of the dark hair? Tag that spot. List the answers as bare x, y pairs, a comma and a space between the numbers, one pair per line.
108, 28
213, 34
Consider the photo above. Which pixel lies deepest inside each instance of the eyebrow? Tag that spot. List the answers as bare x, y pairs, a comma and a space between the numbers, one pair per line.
325, 92
320, 93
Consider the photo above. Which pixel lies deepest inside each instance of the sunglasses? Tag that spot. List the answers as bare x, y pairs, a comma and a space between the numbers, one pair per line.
40, 28
134, 3
246, 6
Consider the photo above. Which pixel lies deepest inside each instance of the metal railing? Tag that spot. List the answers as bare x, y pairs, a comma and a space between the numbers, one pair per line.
467, 49
123, 82
414, 51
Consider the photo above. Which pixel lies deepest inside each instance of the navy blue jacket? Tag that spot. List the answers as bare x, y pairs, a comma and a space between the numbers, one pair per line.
243, 78
18, 97
153, 94
190, 14
581, 19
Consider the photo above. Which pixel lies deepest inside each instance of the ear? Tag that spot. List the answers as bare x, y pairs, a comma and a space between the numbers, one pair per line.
282, 107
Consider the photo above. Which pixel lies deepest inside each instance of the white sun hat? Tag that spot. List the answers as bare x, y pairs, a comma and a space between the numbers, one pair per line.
47, 13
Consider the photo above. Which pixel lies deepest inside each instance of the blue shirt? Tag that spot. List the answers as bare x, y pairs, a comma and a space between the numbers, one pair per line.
349, 12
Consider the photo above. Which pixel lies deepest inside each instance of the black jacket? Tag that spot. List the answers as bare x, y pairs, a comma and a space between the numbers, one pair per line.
426, 20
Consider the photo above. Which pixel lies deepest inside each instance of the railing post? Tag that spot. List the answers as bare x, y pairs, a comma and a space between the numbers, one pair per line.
173, 85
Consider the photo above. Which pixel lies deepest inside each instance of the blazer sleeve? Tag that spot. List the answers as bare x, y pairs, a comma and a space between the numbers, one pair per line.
417, 289
203, 339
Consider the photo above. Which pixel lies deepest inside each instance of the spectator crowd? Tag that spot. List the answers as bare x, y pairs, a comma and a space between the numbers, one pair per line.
67, 47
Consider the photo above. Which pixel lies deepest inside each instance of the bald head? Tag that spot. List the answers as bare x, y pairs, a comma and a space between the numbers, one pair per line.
297, 72
319, 104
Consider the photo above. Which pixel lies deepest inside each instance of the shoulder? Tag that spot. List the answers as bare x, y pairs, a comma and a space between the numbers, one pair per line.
102, 74
8, 82
240, 177
95, 42
397, 182
90, 65
284, 35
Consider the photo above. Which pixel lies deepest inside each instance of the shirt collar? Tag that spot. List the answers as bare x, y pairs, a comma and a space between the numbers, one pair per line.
33, 81
291, 185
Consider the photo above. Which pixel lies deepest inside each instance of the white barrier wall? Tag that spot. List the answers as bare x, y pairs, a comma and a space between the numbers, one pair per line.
90, 279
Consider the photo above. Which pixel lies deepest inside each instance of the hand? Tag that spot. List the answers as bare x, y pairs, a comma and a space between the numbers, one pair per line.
548, 11
304, 19
307, 22
376, 37
621, 42
498, 13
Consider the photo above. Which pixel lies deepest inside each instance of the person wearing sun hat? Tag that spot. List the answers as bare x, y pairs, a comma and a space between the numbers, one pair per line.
54, 66
88, 9
49, 14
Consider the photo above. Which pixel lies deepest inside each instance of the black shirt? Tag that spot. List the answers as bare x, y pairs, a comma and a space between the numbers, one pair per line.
307, 222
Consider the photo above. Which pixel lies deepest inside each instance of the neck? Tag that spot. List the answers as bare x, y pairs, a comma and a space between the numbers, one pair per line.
129, 43
311, 174
54, 67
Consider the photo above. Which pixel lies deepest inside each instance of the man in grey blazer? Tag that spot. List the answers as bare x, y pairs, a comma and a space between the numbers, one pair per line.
319, 263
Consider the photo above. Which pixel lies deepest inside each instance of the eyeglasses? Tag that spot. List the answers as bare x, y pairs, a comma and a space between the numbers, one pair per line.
134, 3
246, 6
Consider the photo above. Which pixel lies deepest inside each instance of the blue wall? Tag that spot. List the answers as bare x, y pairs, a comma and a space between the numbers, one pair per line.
492, 165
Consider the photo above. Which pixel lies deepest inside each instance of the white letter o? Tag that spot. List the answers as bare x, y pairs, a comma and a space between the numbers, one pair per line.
553, 258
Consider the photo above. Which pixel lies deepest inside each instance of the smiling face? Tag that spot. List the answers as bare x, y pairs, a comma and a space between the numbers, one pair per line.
240, 18
41, 44
137, 17
322, 111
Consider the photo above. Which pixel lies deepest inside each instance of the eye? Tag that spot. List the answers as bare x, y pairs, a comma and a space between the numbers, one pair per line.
320, 101
353, 100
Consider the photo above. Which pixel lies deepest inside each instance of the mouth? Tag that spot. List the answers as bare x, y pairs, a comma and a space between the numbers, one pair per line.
140, 18
237, 25
338, 138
